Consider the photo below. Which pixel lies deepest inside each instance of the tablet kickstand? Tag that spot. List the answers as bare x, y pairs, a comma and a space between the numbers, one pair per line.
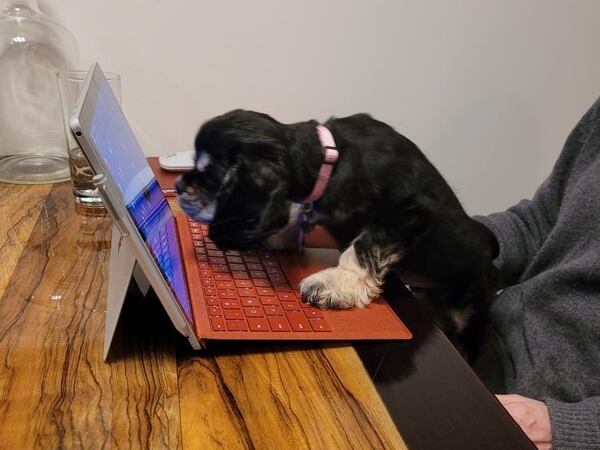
122, 267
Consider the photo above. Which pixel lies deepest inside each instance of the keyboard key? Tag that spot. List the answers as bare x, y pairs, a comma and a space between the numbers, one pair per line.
217, 323
227, 293
199, 249
215, 311
225, 285
298, 322
290, 306
232, 253
266, 255
244, 283
222, 268
254, 266
250, 301
270, 263
246, 292
313, 312
212, 300
216, 260
208, 282
280, 287
274, 311
286, 296
237, 325
203, 265
278, 323
222, 276
251, 259
258, 274
231, 304
211, 246
205, 273
258, 324
240, 275
234, 260
268, 301
233, 314
254, 312
274, 271
218, 253
319, 325
201, 258
210, 290
262, 283
276, 279
265, 291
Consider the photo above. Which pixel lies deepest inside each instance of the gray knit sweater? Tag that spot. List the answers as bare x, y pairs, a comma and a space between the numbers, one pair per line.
548, 315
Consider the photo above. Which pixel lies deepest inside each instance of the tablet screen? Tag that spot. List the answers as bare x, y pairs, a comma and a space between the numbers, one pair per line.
126, 164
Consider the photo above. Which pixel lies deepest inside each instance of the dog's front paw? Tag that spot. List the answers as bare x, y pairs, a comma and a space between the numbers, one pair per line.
336, 288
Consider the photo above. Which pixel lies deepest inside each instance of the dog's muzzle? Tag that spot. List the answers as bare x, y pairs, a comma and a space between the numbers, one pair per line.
197, 208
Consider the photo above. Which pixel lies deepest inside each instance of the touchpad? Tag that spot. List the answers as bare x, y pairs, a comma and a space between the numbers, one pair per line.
297, 266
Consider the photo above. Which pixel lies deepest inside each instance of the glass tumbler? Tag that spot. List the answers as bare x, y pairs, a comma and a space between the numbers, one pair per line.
69, 86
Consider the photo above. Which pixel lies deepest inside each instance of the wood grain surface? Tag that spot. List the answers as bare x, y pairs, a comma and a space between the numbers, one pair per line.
56, 392
282, 397
21, 206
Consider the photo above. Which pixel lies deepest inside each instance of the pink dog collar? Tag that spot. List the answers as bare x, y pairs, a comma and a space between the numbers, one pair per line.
330, 156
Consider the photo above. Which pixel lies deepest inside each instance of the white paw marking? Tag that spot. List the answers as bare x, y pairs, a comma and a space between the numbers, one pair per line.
345, 286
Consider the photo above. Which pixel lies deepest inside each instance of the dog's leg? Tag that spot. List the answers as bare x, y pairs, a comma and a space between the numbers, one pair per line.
461, 312
358, 277
287, 237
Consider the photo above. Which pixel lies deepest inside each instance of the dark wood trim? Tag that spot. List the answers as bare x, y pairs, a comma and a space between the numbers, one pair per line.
433, 396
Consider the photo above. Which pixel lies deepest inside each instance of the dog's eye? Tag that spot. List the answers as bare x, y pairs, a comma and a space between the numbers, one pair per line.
202, 161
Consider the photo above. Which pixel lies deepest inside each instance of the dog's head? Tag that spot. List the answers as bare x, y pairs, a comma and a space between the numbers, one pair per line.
240, 182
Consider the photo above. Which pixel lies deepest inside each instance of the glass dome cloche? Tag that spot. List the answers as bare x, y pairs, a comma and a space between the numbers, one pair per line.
33, 49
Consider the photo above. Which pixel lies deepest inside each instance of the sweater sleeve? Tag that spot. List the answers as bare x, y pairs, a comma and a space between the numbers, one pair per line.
575, 425
522, 229
520, 232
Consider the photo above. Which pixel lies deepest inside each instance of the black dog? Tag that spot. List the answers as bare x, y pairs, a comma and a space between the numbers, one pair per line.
386, 205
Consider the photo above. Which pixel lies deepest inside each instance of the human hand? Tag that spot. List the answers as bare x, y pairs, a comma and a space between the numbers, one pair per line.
532, 416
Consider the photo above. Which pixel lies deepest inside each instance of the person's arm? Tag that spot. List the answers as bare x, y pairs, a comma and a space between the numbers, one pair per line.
520, 232
575, 425
522, 229
554, 424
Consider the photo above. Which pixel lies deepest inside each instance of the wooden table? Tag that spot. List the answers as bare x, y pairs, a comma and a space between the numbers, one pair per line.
56, 392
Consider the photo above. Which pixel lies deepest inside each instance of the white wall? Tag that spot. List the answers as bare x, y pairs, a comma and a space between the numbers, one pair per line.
488, 89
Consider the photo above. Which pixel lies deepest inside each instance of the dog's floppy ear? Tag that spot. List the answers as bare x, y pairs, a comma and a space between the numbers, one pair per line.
253, 177
255, 191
